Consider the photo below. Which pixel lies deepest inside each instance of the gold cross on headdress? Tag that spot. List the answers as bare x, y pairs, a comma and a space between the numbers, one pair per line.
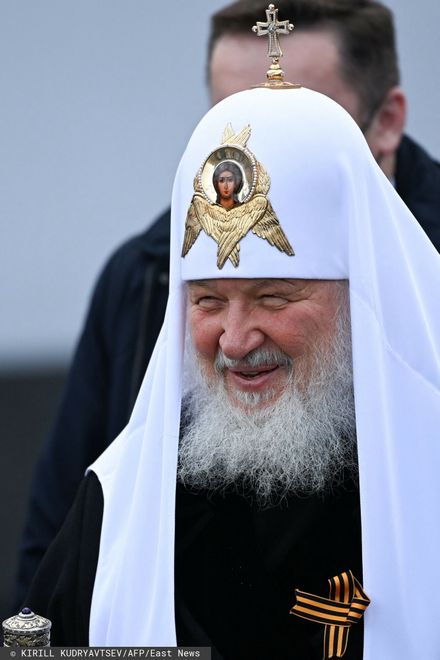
273, 27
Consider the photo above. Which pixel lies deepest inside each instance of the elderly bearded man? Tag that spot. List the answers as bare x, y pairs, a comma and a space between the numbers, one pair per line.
263, 541
273, 410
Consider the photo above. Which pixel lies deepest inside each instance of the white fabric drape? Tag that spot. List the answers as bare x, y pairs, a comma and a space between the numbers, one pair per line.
344, 220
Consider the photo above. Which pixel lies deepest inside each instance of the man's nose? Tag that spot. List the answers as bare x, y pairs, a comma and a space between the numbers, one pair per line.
240, 335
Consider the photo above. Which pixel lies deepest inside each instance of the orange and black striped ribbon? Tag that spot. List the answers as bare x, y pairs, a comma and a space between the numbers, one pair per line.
345, 605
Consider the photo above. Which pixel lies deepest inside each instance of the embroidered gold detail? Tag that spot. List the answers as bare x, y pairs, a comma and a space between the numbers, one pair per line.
231, 199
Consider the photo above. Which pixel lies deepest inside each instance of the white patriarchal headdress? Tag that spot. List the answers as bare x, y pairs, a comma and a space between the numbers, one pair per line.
325, 211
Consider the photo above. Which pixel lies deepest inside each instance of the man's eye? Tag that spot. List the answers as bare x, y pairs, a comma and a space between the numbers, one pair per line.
273, 300
207, 302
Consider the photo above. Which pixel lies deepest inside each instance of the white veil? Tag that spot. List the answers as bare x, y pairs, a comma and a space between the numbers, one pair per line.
344, 221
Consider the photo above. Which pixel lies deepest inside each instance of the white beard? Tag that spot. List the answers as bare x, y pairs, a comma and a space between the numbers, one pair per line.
302, 443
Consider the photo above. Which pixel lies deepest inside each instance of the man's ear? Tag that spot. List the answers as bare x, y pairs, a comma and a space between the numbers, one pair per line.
386, 128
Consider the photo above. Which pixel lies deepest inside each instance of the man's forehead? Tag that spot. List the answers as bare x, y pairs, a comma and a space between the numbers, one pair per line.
252, 283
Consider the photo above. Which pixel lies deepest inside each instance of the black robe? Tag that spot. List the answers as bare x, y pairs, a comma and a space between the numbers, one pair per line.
236, 568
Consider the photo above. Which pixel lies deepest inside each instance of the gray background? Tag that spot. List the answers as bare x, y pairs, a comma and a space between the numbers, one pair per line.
98, 98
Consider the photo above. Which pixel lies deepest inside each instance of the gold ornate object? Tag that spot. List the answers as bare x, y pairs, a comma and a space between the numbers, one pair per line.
26, 629
231, 199
273, 27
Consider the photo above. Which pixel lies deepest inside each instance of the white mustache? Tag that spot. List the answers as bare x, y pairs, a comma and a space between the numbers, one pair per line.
260, 357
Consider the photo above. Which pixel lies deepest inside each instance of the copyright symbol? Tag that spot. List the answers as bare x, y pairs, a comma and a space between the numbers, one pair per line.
13, 654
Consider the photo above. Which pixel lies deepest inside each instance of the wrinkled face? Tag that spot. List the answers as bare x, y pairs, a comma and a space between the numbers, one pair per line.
232, 319
226, 185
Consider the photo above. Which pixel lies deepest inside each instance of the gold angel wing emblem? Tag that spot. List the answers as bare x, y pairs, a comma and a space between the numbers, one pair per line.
230, 137
270, 229
202, 215
227, 228
192, 229
227, 224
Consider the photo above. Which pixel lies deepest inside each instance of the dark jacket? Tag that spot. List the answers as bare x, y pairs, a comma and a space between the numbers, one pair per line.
124, 318
125, 315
